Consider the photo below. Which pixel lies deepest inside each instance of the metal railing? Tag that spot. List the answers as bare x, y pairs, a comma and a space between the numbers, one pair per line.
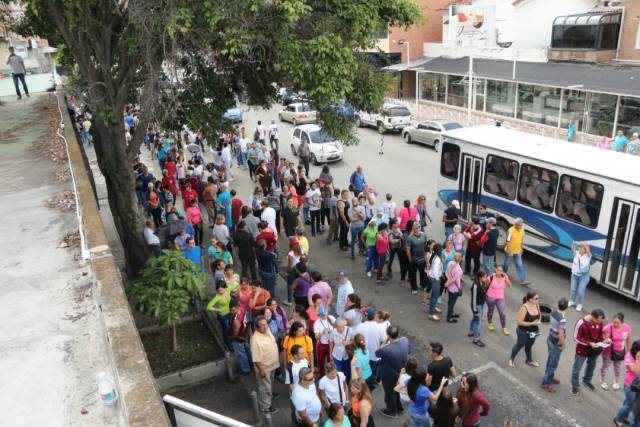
182, 414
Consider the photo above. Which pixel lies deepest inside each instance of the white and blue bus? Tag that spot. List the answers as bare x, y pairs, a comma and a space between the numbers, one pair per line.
564, 192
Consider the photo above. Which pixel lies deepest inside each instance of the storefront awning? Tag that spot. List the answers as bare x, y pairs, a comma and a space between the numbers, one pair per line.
607, 78
407, 65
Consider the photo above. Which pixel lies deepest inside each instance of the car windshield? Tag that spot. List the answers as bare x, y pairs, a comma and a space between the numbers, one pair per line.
399, 112
450, 126
304, 107
320, 136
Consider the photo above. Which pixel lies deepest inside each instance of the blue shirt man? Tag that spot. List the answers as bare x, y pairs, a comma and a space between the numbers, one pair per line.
358, 180
620, 142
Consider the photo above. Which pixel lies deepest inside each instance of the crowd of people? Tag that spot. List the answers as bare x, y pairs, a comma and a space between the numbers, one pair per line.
319, 339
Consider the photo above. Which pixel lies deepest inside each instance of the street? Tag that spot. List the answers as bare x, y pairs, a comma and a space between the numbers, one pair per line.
406, 171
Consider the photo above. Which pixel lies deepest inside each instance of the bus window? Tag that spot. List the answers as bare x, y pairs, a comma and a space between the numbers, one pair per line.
579, 200
537, 187
450, 161
501, 176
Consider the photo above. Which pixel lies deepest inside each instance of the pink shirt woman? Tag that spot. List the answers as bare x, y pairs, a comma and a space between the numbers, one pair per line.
194, 216
620, 334
457, 238
497, 285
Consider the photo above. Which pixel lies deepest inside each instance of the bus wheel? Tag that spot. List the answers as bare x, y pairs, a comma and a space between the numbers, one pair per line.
503, 227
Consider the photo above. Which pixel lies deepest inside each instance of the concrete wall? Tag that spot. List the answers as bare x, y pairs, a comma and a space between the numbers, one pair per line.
629, 48
139, 396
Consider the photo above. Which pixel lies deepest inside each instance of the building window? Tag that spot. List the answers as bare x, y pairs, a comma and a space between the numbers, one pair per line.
537, 187
573, 105
500, 177
434, 87
538, 104
501, 97
594, 31
450, 161
579, 200
458, 88
600, 114
629, 114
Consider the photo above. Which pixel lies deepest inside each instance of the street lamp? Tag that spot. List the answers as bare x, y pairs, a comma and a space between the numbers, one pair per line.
403, 42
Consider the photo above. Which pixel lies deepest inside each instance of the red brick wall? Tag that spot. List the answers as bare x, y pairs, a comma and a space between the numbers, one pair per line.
630, 25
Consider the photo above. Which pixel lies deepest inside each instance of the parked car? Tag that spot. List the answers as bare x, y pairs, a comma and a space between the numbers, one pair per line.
392, 117
323, 147
298, 112
428, 132
233, 115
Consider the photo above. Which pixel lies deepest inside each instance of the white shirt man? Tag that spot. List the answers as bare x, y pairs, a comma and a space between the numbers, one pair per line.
273, 131
324, 327
269, 215
262, 132
373, 334
292, 368
334, 388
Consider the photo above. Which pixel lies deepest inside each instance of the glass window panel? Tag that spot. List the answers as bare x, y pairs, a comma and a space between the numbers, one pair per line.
433, 86
501, 97
602, 111
537, 187
579, 200
501, 176
479, 89
609, 36
457, 91
450, 161
573, 108
629, 114
575, 37
538, 104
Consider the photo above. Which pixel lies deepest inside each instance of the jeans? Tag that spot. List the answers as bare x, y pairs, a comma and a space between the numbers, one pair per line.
475, 322
269, 282
453, 298
355, 239
315, 222
488, 263
552, 362
436, 287
627, 407
225, 325
402, 260
343, 233
248, 268
243, 353
468, 256
16, 79
344, 366
372, 259
517, 258
577, 367
305, 214
523, 340
421, 420
447, 231
502, 307
416, 267
392, 399
579, 285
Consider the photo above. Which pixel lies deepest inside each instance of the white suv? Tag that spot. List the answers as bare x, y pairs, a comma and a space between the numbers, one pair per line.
392, 117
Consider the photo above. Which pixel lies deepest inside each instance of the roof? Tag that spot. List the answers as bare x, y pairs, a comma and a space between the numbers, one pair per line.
589, 18
406, 66
554, 151
606, 78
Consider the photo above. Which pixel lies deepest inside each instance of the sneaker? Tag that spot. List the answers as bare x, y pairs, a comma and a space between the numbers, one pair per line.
511, 364
589, 386
469, 334
455, 316
438, 310
604, 386
387, 413
270, 410
579, 307
287, 303
571, 304
368, 274
550, 389
574, 391
490, 327
433, 317
555, 381
479, 343
525, 283
28, 96
19, 97
505, 331
452, 320
616, 386
414, 292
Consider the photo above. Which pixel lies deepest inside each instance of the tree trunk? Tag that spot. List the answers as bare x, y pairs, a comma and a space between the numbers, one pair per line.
175, 337
127, 213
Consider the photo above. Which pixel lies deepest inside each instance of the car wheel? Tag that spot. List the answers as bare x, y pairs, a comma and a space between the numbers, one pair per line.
295, 122
436, 144
313, 159
293, 150
381, 128
358, 122
407, 137
503, 227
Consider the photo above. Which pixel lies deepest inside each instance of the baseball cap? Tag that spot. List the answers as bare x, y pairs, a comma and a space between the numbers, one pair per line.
371, 312
294, 240
456, 204
322, 312
343, 274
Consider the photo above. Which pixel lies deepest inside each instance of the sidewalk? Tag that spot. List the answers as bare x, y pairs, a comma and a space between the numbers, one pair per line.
52, 344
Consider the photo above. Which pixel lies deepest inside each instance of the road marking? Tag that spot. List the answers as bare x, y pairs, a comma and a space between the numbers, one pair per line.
519, 384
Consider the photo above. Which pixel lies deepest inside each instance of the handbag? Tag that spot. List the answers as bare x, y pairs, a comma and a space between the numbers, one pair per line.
583, 270
616, 356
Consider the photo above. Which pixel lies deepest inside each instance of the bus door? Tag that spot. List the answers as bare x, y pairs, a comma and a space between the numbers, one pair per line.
470, 186
621, 269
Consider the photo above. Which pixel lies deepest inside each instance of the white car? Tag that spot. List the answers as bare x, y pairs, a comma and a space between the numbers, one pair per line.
297, 113
392, 117
323, 147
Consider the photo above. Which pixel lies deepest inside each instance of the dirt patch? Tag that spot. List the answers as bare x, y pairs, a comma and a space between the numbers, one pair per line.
65, 201
51, 145
9, 136
62, 174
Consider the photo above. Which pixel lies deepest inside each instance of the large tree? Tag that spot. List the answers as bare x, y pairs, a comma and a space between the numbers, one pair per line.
187, 60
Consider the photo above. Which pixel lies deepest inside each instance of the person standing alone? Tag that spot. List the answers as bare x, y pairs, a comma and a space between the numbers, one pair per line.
18, 72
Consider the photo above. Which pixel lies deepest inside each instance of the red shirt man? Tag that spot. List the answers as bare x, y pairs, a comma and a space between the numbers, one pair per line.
474, 233
169, 181
266, 234
187, 195
236, 207
170, 166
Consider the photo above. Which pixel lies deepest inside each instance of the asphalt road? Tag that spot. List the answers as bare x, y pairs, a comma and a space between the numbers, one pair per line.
406, 171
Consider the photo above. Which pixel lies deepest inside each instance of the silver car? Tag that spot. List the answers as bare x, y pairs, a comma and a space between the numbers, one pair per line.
428, 132
298, 113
